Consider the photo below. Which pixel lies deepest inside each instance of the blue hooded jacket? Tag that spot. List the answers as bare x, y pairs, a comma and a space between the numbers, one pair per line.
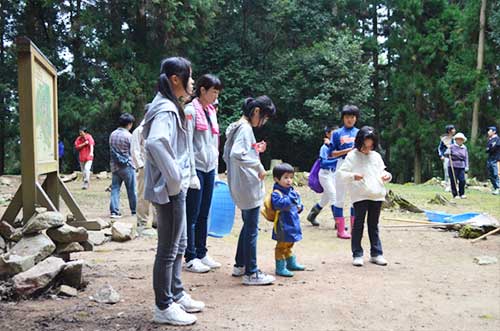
288, 203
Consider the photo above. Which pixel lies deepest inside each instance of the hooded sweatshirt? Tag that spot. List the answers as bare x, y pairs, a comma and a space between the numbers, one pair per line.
167, 167
205, 143
243, 166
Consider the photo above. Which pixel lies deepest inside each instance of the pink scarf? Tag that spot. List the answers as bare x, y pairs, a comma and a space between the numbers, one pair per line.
201, 117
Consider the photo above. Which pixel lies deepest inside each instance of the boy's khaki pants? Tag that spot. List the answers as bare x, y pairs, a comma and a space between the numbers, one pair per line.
143, 206
283, 250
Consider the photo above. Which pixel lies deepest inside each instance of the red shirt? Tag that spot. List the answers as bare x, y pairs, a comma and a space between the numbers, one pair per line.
84, 151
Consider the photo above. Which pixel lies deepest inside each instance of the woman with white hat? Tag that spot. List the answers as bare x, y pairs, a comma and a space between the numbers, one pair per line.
458, 165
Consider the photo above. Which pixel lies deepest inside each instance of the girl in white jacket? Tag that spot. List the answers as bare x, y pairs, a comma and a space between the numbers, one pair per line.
364, 172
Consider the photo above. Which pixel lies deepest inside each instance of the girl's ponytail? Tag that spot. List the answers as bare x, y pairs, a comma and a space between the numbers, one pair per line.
180, 67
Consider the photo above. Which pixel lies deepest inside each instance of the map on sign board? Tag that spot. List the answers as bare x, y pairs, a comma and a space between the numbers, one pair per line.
44, 115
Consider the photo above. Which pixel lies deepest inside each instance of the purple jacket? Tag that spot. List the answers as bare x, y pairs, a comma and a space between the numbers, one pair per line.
459, 156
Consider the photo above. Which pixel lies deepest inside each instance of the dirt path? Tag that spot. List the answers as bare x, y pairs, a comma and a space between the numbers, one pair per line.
431, 283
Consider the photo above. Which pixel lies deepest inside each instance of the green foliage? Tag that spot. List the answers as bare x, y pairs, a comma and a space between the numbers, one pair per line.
310, 57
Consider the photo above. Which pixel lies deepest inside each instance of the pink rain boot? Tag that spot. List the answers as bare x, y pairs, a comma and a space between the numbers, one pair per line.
341, 233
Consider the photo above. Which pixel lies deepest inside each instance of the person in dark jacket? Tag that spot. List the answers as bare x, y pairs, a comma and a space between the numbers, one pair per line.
444, 143
493, 150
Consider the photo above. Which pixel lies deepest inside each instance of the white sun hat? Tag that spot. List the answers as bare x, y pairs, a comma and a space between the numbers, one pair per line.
460, 135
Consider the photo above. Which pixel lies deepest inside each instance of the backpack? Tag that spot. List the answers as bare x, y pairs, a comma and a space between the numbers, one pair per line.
313, 181
268, 212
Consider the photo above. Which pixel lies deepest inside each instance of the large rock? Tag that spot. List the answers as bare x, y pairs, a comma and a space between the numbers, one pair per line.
38, 277
94, 225
13, 264
123, 231
43, 221
68, 248
98, 238
72, 274
6, 230
106, 294
68, 291
39, 246
68, 234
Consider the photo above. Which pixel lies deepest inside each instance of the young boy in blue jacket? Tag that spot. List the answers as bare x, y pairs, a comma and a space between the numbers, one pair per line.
286, 231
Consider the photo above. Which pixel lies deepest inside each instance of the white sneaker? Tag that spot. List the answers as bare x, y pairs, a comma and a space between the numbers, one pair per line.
258, 278
495, 192
189, 304
379, 260
173, 315
196, 266
211, 263
357, 261
463, 197
238, 271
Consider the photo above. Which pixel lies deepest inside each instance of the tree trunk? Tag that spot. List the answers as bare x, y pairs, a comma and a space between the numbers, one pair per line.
417, 167
375, 54
480, 58
3, 109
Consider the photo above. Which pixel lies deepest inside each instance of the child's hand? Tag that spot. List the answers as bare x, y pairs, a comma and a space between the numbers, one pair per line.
262, 175
326, 141
358, 177
261, 146
386, 177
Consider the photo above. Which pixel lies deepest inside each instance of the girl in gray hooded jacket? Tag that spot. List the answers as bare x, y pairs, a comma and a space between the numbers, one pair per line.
245, 174
167, 176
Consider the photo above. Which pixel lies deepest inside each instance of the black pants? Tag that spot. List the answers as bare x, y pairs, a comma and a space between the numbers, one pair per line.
361, 208
460, 177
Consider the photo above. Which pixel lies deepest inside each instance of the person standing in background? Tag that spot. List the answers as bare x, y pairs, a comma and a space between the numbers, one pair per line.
445, 142
137, 151
84, 144
493, 150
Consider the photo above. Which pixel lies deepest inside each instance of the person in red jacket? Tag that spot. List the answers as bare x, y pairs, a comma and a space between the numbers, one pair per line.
84, 143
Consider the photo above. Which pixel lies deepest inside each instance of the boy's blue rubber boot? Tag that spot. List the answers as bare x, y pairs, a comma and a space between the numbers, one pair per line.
291, 264
281, 269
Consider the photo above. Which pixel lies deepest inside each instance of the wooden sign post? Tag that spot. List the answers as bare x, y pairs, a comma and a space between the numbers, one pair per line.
39, 137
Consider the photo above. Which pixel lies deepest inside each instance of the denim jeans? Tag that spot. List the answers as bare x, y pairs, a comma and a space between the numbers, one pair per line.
458, 174
361, 208
171, 219
197, 208
246, 254
127, 175
493, 173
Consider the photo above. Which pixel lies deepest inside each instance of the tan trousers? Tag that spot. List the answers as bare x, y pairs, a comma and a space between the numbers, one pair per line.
143, 206
283, 250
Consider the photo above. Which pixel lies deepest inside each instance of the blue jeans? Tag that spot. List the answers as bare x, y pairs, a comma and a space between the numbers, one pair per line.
127, 175
197, 208
246, 254
457, 174
493, 173
361, 208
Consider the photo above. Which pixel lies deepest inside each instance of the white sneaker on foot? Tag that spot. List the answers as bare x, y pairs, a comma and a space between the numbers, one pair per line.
238, 271
495, 192
189, 304
258, 278
357, 261
211, 263
196, 266
463, 197
379, 260
173, 315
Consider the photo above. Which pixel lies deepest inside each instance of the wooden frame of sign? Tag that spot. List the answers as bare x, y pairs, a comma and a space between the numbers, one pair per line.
39, 137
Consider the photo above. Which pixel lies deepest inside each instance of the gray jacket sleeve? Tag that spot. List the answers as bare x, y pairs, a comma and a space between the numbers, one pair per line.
159, 150
243, 152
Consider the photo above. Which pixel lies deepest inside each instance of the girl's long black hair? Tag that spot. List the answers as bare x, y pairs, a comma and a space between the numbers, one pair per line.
263, 102
366, 132
207, 81
180, 67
